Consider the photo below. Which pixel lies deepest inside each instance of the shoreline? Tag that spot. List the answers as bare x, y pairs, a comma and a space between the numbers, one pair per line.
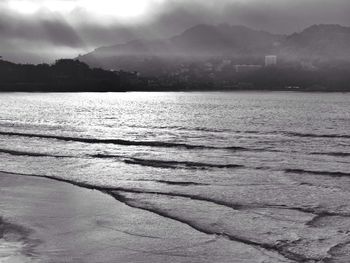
50, 220
187, 91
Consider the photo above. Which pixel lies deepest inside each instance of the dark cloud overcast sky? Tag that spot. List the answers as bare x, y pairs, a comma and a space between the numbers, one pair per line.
44, 30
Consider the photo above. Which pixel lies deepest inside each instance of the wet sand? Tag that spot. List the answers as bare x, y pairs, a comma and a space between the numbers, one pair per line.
43, 220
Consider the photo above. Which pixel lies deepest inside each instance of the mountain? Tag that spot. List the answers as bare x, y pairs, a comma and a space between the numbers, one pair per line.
223, 40
318, 42
199, 41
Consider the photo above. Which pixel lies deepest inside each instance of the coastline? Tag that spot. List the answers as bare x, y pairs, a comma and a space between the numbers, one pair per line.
43, 220
183, 91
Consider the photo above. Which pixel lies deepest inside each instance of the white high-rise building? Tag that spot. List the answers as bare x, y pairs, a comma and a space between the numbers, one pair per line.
270, 60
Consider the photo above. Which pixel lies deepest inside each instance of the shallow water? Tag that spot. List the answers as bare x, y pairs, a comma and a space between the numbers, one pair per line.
267, 169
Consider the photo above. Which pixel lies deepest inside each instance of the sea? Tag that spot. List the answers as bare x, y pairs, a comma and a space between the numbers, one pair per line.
269, 169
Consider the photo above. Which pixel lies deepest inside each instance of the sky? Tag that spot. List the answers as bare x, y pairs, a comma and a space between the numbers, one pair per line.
36, 31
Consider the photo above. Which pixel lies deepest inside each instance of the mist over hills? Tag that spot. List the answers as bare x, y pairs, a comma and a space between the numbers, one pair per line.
319, 42
223, 40
203, 57
245, 45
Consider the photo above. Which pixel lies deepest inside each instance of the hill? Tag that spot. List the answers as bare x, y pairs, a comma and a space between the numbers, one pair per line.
199, 42
64, 76
318, 42
242, 44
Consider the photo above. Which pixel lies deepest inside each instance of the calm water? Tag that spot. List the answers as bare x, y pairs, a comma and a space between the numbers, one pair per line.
272, 168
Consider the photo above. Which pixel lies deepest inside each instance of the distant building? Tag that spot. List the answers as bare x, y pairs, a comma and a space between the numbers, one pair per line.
246, 68
270, 60
208, 66
307, 65
226, 62
223, 64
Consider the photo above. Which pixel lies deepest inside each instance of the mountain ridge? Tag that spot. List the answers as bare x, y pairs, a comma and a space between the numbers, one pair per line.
317, 42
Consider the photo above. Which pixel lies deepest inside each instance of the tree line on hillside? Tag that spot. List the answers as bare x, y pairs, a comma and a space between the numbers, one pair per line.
68, 75
64, 75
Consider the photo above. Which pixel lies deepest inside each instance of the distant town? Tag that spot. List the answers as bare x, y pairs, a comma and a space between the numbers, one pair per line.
213, 74
226, 74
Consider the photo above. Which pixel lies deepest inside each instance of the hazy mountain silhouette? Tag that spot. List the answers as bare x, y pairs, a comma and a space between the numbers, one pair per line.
322, 42
224, 40
198, 41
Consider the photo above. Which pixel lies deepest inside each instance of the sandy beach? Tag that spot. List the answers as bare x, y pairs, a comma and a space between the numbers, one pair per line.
43, 220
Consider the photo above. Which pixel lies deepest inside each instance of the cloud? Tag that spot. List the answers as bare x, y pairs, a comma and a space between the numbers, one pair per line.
279, 16
67, 27
46, 30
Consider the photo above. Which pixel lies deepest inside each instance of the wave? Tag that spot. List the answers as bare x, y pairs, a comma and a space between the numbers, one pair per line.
32, 154
326, 173
131, 160
179, 183
182, 128
337, 154
167, 164
214, 130
108, 141
177, 165
243, 149
203, 129
313, 135
125, 142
